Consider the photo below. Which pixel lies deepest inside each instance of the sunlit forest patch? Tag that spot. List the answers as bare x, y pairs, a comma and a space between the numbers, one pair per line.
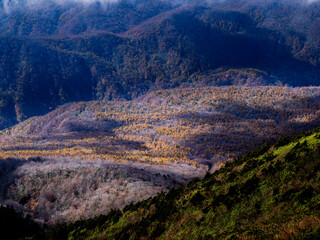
192, 125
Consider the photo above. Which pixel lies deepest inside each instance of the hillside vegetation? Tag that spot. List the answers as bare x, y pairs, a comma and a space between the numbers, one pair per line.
270, 193
105, 104
65, 190
106, 154
53, 54
182, 125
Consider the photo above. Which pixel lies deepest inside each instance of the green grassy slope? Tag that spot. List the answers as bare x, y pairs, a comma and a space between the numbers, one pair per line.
272, 193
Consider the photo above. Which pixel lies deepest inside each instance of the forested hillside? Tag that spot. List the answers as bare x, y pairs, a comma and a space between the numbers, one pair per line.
270, 193
106, 103
58, 53
106, 154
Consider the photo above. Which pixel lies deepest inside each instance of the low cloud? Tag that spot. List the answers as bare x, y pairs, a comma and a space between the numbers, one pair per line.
14, 4
8, 5
312, 1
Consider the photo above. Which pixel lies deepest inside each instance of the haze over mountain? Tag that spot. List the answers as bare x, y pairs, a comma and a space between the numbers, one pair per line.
53, 53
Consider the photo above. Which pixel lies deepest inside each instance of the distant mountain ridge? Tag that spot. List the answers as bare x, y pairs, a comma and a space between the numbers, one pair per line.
57, 53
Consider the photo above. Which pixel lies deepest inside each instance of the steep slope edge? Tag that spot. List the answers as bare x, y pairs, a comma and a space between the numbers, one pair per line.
270, 193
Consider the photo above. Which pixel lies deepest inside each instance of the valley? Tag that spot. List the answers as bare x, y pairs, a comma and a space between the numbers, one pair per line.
72, 52
104, 155
158, 119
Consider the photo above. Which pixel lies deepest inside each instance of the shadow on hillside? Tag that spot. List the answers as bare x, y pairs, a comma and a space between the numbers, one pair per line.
8, 172
75, 135
242, 46
102, 141
118, 145
240, 128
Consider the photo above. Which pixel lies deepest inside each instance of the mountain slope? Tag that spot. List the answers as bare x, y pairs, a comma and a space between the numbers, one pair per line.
15, 225
271, 193
47, 18
57, 53
106, 154
191, 125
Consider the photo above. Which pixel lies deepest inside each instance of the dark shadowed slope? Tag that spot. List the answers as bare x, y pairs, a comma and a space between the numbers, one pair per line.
15, 225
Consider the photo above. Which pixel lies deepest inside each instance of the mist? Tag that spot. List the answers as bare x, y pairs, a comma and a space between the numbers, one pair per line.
9, 5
